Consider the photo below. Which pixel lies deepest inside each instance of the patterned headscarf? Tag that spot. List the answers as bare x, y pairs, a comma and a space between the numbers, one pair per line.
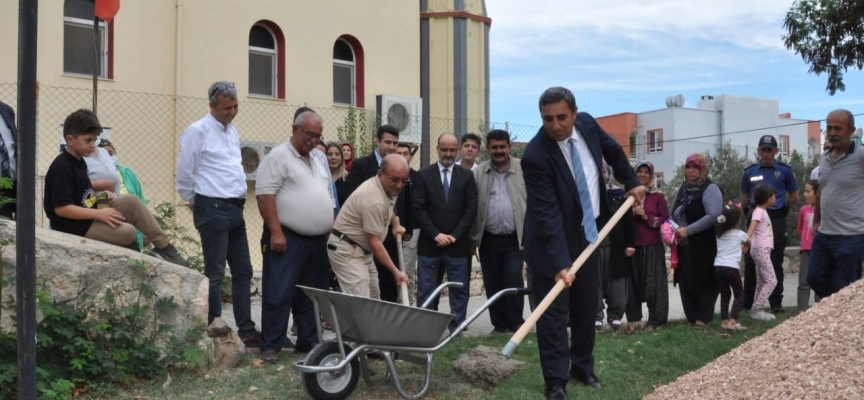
701, 163
652, 183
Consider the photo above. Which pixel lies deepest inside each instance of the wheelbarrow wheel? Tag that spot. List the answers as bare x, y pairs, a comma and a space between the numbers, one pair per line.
330, 385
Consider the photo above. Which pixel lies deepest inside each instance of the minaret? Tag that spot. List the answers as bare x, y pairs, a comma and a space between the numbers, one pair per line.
454, 69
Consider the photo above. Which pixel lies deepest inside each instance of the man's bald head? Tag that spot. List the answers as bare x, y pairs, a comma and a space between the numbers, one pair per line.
448, 145
393, 174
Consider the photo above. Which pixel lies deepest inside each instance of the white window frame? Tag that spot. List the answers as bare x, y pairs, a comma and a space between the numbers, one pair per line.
656, 145
785, 140
103, 27
353, 66
274, 55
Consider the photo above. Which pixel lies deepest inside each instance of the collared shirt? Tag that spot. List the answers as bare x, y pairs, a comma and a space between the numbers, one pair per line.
778, 175
367, 212
378, 157
6, 133
841, 182
320, 157
588, 166
441, 169
500, 219
301, 187
210, 163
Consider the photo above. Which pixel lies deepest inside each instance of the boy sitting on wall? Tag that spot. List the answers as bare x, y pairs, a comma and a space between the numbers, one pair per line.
71, 203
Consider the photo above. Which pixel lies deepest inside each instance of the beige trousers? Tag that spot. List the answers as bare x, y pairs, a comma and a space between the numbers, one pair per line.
355, 271
137, 216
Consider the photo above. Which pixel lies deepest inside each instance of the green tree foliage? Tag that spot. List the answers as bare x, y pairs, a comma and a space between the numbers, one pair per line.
828, 35
354, 130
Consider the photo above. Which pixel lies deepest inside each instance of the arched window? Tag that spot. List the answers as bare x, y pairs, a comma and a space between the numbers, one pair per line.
78, 41
348, 71
263, 62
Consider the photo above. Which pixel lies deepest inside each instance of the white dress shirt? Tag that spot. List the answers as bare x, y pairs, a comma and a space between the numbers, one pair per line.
210, 163
591, 174
441, 169
321, 158
6, 133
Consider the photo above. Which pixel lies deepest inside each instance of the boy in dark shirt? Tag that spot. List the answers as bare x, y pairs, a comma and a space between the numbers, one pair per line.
71, 203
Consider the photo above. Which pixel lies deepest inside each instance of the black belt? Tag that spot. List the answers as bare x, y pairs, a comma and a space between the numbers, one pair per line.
235, 201
348, 240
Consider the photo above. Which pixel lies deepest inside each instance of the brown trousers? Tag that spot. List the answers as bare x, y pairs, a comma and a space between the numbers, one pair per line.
137, 216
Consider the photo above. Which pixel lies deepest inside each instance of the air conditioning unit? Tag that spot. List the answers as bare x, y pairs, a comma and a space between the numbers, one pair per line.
251, 154
405, 113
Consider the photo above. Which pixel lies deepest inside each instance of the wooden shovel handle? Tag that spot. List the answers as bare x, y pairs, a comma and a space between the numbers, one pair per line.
559, 286
402, 285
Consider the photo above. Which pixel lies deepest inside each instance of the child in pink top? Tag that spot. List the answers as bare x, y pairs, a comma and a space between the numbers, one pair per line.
805, 230
761, 243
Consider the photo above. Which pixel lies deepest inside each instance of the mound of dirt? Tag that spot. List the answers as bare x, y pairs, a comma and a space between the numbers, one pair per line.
816, 355
485, 364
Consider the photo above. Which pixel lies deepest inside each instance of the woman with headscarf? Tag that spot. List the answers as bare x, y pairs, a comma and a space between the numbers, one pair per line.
129, 183
648, 280
697, 205
615, 255
348, 155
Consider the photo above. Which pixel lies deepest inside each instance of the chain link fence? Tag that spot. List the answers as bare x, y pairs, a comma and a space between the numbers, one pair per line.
146, 128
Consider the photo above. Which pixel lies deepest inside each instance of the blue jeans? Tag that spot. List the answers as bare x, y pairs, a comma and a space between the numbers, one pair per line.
304, 262
458, 270
223, 238
835, 262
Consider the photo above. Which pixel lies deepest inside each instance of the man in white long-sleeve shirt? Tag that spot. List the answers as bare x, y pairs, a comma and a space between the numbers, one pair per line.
211, 180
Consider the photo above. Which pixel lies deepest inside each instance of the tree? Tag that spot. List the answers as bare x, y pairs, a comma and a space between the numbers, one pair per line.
725, 167
829, 36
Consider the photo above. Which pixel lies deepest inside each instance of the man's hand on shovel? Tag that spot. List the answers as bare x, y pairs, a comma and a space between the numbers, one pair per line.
565, 276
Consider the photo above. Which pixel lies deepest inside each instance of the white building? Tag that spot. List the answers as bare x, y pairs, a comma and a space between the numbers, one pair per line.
666, 136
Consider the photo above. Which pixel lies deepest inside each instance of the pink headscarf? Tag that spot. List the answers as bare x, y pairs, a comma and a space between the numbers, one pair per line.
700, 162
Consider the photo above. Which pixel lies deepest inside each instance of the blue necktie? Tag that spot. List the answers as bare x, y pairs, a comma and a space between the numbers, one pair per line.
5, 167
446, 186
588, 221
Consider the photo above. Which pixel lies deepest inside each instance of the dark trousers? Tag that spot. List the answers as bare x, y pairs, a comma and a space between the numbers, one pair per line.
501, 262
729, 285
578, 305
778, 225
458, 270
835, 262
7, 210
386, 281
223, 238
304, 262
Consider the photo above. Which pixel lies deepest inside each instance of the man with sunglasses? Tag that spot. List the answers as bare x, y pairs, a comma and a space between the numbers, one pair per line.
386, 140
361, 226
210, 178
780, 176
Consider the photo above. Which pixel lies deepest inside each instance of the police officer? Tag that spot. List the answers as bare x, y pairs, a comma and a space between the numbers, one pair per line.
780, 176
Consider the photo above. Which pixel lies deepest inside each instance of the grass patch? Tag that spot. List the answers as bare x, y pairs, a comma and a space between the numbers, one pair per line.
629, 367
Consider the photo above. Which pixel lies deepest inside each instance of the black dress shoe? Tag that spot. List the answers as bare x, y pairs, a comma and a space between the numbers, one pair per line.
778, 310
589, 380
303, 348
556, 392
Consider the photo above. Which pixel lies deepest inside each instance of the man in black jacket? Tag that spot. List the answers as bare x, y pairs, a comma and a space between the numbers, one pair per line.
386, 139
8, 144
445, 204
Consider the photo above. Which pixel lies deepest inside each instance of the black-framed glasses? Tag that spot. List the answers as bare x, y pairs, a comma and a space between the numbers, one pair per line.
311, 135
395, 179
221, 87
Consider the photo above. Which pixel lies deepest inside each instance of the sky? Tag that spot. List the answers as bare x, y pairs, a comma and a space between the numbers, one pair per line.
629, 56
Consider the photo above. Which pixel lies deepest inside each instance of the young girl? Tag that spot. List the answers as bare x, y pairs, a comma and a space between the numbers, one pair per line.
761, 239
805, 229
730, 243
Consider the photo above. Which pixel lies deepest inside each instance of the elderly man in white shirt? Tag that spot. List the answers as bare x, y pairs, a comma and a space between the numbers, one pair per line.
211, 180
293, 195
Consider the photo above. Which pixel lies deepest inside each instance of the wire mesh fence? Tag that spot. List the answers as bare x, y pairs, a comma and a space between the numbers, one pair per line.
145, 129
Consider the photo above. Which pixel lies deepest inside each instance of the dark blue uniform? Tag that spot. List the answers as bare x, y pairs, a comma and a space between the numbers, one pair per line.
781, 177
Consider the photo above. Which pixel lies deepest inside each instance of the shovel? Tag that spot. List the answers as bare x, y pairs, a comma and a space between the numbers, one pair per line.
510, 348
402, 285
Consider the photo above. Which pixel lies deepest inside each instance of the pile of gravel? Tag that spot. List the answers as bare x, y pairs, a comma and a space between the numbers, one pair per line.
816, 355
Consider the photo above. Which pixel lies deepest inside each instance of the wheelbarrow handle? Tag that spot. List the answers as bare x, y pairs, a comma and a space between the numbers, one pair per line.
402, 285
517, 337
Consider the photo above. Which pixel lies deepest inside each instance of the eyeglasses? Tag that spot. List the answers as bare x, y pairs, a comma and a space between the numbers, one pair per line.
397, 180
221, 87
310, 135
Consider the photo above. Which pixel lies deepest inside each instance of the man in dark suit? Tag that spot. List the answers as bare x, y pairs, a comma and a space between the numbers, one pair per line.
8, 147
565, 206
445, 204
386, 139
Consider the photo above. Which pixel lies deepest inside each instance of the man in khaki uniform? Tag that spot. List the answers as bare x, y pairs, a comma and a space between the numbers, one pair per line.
359, 231
497, 229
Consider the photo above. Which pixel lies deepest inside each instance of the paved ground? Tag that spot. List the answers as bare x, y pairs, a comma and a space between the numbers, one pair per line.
482, 326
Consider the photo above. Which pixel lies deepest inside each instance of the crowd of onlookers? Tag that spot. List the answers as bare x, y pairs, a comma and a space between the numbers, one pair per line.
335, 219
